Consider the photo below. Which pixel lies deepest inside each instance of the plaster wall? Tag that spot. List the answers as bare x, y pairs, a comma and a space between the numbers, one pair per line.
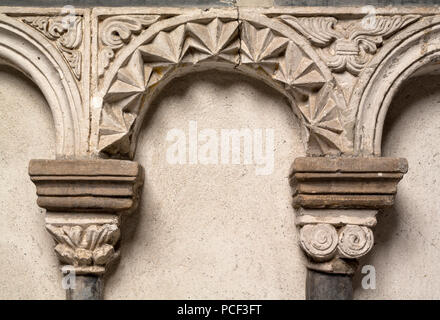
213, 231
219, 231
406, 255
28, 266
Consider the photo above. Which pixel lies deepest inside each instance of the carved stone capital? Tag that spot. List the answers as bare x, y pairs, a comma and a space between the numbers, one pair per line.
337, 200
84, 200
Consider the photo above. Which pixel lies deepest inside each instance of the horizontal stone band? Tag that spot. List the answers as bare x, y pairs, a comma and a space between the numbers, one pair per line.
86, 185
346, 183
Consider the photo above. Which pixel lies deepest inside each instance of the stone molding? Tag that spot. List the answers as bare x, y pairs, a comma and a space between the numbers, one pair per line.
346, 183
84, 200
101, 68
337, 200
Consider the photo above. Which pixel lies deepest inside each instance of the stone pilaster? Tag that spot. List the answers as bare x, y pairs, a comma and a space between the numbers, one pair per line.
336, 201
84, 200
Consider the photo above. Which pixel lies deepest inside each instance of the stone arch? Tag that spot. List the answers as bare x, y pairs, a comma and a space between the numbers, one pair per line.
409, 51
257, 45
30, 52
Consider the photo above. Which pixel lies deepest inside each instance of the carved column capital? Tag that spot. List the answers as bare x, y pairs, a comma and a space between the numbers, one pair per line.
84, 200
336, 201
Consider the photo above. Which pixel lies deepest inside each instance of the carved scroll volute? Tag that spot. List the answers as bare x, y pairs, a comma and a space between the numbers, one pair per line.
337, 200
115, 32
84, 200
66, 32
348, 46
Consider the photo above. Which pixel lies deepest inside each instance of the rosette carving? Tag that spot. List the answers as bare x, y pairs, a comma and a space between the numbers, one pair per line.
355, 241
319, 241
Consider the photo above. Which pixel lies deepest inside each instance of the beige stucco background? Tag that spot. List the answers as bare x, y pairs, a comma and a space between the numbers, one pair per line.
219, 231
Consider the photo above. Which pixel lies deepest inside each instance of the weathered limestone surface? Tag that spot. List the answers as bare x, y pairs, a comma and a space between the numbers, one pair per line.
215, 3
101, 69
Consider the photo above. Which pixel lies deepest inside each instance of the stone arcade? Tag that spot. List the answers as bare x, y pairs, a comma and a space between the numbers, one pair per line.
100, 69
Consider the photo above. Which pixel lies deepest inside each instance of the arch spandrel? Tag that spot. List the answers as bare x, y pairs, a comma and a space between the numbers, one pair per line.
412, 49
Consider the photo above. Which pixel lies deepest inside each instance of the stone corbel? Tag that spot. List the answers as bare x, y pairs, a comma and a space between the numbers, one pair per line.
85, 200
336, 201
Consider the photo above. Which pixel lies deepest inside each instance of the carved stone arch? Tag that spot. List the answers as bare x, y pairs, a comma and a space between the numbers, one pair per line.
28, 51
257, 45
409, 51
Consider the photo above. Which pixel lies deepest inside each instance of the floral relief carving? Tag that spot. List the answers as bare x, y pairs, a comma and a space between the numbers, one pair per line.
348, 47
91, 246
66, 32
116, 31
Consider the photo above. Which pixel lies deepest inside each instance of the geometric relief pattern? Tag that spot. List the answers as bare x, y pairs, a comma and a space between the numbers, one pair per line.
241, 45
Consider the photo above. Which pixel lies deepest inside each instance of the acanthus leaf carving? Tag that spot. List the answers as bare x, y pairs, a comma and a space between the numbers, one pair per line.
318, 30
85, 247
348, 47
66, 32
117, 31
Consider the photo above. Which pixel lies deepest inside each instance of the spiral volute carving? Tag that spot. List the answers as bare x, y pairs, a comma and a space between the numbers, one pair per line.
319, 241
355, 241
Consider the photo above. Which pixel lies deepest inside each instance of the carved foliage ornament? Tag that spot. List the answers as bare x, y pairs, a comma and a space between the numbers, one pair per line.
348, 47
87, 248
66, 32
220, 40
116, 31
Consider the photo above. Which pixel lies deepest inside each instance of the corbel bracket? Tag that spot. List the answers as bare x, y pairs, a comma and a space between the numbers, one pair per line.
84, 200
336, 201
